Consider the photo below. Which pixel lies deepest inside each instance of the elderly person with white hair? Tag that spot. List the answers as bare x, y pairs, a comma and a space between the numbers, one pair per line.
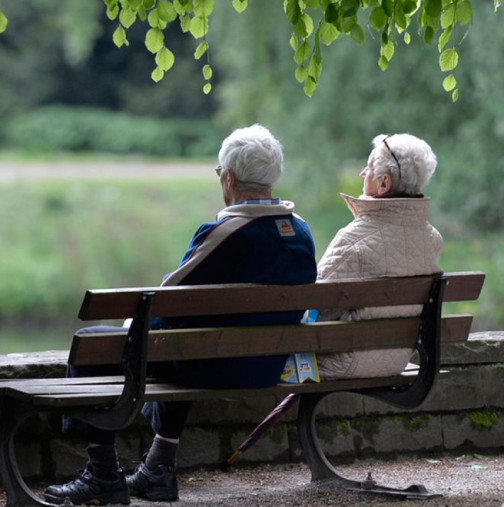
256, 238
390, 236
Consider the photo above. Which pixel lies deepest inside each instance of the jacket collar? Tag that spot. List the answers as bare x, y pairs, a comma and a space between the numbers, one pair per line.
397, 210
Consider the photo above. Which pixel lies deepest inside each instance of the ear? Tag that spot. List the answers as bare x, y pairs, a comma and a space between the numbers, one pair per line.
231, 180
384, 184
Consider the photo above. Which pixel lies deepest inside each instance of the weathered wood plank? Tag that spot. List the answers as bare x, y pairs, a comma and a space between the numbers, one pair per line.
265, 340
235, 298
88, 394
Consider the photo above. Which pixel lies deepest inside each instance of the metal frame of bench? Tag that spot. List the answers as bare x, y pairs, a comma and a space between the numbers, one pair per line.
113, 403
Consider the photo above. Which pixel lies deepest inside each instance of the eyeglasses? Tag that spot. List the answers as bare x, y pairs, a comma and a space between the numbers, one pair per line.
218, 170
393, 155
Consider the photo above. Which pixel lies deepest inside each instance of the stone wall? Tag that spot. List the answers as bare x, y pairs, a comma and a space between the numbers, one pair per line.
464, 414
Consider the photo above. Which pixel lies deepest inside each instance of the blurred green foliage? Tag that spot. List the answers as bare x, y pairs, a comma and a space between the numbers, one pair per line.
63, 128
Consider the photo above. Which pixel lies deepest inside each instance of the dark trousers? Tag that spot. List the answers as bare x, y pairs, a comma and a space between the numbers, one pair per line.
166, 418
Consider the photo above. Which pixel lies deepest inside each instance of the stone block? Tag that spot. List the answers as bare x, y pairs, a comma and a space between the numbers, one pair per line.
199, 446
66, 455
460, 389
272, 446
474, 430
397, 433
231, 410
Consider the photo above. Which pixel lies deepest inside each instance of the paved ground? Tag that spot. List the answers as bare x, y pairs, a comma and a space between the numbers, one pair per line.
463, 481
104, 169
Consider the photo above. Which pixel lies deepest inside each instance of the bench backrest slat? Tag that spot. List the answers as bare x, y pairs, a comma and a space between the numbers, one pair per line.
238, 342
213, 299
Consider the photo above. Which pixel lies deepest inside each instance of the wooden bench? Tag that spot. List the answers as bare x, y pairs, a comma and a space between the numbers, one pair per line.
114, 402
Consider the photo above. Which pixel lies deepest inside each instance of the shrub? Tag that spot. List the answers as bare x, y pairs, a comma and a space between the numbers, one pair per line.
62, 128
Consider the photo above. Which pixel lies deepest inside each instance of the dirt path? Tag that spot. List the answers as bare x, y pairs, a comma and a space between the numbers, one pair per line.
464, 481
106, 169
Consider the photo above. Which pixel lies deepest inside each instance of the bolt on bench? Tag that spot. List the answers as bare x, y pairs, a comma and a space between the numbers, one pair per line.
113, 402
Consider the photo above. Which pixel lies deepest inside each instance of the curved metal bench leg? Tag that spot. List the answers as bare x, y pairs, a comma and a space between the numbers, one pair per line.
321, 468
18, 493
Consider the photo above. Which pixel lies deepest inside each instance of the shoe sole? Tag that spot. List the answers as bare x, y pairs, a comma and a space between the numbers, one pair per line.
92, 501
156, 495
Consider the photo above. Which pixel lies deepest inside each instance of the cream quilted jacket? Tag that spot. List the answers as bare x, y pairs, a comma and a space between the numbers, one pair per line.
388, 237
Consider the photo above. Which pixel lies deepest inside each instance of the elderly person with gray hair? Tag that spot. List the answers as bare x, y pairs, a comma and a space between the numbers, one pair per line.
390, 236
256, 238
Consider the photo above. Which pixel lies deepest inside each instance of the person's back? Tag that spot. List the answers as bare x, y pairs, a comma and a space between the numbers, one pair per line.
255, 239
389, 236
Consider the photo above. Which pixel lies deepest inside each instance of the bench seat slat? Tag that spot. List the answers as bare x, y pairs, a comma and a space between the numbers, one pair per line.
94, 394
271, 340
211, 299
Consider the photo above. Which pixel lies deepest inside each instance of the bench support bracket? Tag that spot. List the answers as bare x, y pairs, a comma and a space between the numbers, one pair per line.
322, 470
18, 493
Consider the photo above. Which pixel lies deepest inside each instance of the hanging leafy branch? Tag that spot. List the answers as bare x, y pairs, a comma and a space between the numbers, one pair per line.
313, 22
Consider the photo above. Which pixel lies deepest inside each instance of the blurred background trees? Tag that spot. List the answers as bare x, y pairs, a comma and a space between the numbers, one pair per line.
65, 87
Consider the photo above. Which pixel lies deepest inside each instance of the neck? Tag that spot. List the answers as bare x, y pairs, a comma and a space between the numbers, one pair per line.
243, 196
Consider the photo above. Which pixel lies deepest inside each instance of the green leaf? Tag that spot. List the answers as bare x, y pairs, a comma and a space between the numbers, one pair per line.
449, 83
207, 88
198, 27
164, 59
185, 23
153, 18
387, 50
112, 12
409, 6
444, 38
448, 16
308, 23
201, 49
154, 40
448, 59
310, 86
3, 22
388, 7
293, 11
119, 37
428, 35
293, 42
127, 17
357, 34
378, 18
401, 22
407, 38
302, 53
301, 73
433, 7
455, 95
383, 63
315, 68
166, 11
207, 72
203, 8
240, 5
464, 12
332, 13
328, 33
157, 74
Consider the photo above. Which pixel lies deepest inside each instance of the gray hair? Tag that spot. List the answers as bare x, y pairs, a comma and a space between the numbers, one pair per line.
254, 156
409, 160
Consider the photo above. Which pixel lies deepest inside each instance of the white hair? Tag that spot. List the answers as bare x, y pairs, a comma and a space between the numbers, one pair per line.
409, 160
254, 156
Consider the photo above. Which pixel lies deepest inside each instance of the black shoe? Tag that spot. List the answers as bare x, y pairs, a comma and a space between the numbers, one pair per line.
159, 484
87, 489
